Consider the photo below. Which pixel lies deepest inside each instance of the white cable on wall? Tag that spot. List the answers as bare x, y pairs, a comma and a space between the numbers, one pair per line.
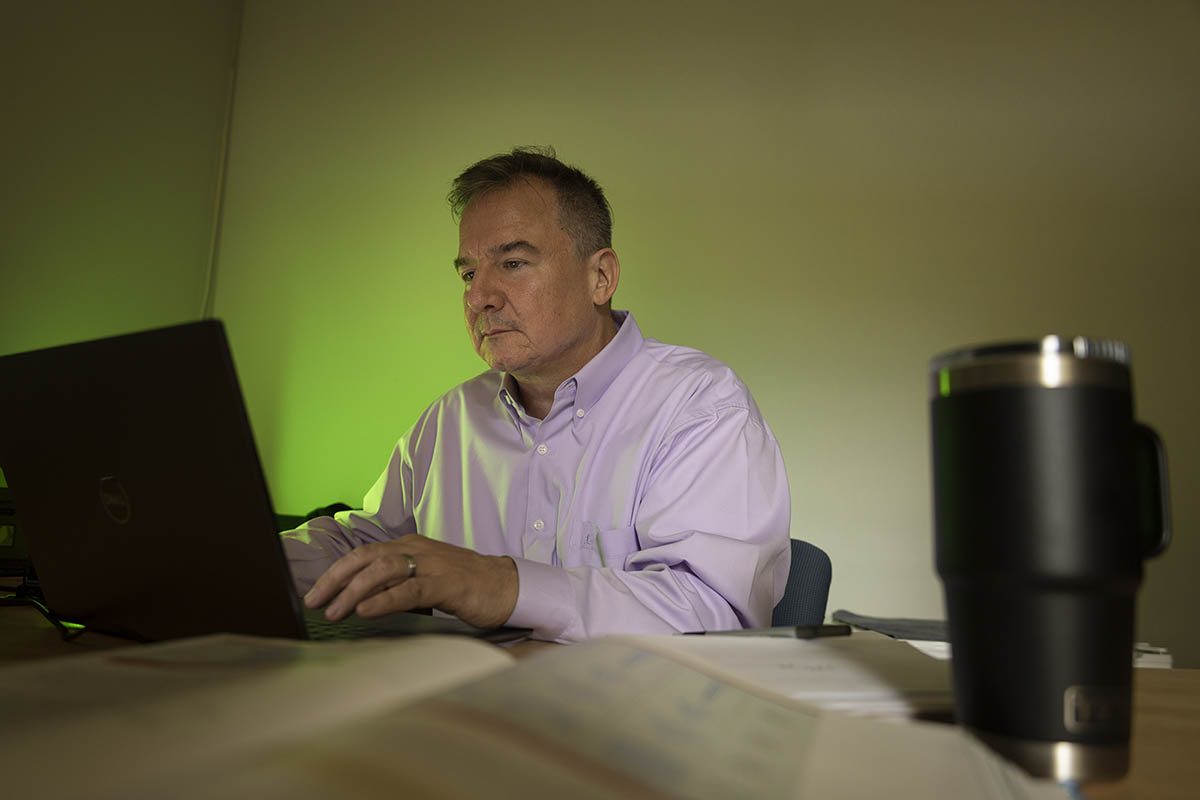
210, 281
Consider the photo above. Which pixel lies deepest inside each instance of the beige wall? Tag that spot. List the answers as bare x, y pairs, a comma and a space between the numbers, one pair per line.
113, 116
821, 195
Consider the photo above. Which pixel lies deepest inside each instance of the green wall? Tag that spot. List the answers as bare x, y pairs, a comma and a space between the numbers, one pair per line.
113, 122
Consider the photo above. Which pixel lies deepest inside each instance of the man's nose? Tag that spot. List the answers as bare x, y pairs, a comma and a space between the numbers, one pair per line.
482, 293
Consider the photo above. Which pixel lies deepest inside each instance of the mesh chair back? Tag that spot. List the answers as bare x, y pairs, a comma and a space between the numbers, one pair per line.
807, 590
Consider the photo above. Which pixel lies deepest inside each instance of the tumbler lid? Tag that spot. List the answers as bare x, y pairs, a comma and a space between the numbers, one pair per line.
1052, 361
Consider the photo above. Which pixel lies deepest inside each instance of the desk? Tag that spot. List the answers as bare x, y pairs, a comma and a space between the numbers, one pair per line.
1166, 739
25, 634
1166, 708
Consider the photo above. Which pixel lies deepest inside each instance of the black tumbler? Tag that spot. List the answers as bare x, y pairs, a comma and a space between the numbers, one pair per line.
1047, 496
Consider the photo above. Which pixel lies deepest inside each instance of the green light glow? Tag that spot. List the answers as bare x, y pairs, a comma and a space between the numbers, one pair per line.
944, 382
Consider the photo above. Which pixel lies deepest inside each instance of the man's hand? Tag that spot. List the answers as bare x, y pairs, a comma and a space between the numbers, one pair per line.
372, 580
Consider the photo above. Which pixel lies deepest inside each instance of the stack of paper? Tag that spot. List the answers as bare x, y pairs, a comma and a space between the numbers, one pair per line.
930, 636
1144, 655
1147, 655
866, 674
450, 717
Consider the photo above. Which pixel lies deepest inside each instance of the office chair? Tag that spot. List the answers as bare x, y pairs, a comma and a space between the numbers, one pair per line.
807, 589
285, 522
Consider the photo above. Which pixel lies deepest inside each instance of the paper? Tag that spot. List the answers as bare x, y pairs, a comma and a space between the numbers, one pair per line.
450, 717
865, 674
1144, 655
135, 716
609, 719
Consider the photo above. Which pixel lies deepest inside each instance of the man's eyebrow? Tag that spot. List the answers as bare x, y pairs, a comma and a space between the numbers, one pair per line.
501, 249
519, 244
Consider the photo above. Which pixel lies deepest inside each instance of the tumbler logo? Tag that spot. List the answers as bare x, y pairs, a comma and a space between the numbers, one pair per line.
1095, 709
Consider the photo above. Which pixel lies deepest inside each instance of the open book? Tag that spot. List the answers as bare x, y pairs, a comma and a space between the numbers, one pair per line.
235, 716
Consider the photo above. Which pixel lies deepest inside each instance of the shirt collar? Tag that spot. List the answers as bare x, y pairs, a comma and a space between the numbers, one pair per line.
507, 394
597, 375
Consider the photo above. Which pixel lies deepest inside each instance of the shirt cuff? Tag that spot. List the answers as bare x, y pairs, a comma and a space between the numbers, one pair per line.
545, 600
306, 561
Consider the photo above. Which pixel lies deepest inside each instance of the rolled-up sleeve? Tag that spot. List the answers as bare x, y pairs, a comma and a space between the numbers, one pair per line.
386, 514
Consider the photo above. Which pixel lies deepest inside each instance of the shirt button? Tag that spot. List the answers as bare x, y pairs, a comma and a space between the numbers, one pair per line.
579, 413
541, 449
538, 525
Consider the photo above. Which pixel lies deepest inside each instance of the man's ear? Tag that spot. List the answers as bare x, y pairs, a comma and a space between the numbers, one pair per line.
605, 270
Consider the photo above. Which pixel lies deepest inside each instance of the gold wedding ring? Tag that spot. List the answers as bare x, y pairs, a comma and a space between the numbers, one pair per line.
412, 565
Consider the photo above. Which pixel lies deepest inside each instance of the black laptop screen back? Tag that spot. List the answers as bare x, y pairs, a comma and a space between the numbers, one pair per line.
134, 471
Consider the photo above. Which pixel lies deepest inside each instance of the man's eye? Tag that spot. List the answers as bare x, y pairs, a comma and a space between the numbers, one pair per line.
512, 264
467, 274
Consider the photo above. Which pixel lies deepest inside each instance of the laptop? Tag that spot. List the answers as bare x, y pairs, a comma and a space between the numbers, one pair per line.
133, 468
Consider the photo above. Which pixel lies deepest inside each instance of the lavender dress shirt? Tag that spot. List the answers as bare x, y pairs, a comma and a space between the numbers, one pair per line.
651, 499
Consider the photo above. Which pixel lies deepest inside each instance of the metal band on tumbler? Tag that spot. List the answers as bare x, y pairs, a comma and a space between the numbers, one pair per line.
1062, 761
1052, 362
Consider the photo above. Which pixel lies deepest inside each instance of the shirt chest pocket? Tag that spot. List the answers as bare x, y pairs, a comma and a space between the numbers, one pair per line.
603, 548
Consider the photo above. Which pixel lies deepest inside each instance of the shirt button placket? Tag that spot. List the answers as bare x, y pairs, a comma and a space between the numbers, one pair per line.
539, 547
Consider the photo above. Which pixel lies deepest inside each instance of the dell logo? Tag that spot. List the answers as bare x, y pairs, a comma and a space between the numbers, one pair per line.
114, 500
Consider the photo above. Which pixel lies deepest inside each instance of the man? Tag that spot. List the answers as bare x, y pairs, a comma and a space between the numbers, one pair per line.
592, 481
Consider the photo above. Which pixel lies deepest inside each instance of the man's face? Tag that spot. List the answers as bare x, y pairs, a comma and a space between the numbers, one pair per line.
527, 298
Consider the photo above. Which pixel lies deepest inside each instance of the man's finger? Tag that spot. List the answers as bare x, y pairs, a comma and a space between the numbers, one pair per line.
335, 579
377, 575
402, 596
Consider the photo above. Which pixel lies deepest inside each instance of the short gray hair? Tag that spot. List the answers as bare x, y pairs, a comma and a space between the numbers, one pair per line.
584, 212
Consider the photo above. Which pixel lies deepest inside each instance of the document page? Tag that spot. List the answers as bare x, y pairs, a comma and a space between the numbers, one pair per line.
864, 673
129, 722
608, 719
223, 717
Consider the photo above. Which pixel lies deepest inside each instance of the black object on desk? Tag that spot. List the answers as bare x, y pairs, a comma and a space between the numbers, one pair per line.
14, 555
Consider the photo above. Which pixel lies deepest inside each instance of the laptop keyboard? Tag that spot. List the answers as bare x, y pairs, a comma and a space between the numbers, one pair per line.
401, 624
353, 627
323, 629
